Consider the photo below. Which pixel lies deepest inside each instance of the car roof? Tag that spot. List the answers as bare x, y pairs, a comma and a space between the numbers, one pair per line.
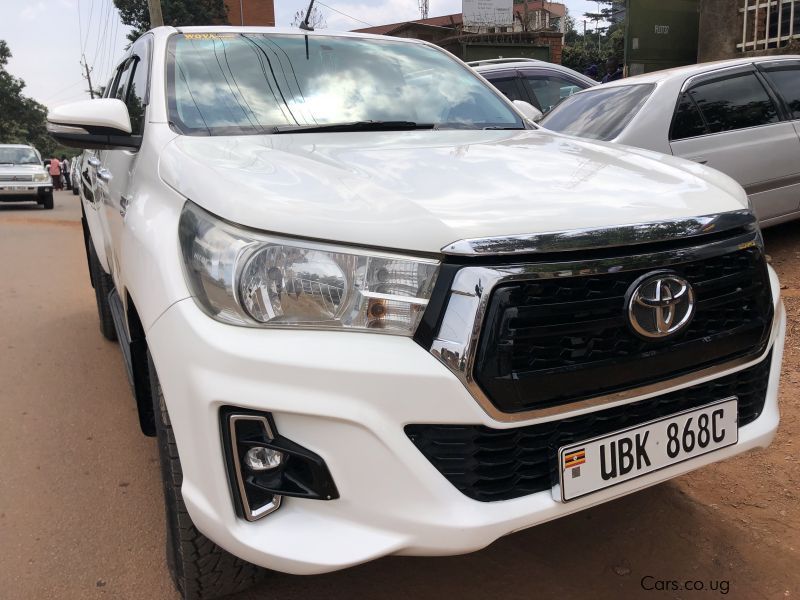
500, 65
692, 70
168, 30
15, 146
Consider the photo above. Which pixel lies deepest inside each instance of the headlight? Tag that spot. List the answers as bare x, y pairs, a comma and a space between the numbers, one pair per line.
250, 278
41, 177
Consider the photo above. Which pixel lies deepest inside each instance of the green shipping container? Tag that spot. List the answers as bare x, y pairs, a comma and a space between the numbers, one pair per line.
661, 34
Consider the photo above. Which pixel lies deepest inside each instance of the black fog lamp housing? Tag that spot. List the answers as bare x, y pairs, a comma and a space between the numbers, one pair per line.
263, 466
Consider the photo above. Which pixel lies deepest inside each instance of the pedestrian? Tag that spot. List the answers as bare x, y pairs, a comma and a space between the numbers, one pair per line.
55, 173
65, 170
613, 70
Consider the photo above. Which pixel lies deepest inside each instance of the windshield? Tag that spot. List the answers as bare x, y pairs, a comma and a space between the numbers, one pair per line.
233, 83
600, 113
18, 156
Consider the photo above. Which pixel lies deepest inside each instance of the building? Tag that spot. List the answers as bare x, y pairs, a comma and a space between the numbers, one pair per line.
537, 32
251, 12
660, 35
743, 28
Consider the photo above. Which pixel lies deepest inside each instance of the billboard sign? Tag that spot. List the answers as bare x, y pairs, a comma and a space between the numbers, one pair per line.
488, 13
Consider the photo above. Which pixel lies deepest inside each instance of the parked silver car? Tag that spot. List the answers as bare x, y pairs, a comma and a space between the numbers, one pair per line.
539, 83
23, 176
739, 116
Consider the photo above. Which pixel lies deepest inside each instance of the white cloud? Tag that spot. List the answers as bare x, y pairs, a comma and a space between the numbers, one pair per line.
32, 11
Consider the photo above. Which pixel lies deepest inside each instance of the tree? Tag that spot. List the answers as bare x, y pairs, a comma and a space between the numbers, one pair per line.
571, 34
175, 12
316, 20
22, 119
579, 57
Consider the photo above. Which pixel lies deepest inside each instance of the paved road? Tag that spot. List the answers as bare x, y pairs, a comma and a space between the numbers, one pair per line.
80, 499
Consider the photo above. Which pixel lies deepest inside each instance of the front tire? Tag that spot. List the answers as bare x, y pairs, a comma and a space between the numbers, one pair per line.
200, 569
47, 201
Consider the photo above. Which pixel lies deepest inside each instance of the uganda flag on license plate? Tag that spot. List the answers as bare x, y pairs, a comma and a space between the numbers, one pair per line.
574, 458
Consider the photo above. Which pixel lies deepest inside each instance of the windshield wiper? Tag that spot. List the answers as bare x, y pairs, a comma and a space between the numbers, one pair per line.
354, 126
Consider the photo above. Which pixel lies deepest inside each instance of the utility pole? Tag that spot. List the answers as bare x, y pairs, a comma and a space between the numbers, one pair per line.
156, 20
423, 9
88, 76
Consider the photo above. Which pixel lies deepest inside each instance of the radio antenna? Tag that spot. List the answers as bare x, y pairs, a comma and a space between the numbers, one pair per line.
304, 25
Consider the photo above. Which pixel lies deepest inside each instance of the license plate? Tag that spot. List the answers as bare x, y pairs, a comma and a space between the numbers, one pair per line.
607, 460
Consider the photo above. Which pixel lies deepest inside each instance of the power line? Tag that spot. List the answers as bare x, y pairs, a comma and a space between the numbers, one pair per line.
80, 26
344, 14
102, 42
88, 28
54, 95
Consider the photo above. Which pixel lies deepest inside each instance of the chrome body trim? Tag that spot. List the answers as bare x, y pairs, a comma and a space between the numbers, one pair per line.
276, 500
606, 237
457, 339
60, 128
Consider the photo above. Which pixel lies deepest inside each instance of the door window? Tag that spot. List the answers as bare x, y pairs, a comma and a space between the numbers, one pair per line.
508, 86
138, 88
786, 81
687, 121
737, 102
123, 81
549, 90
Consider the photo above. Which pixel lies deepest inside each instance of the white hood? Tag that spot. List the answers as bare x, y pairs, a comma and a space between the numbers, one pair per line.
421, 190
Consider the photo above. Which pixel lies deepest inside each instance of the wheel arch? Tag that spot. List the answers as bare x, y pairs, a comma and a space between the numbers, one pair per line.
140, 367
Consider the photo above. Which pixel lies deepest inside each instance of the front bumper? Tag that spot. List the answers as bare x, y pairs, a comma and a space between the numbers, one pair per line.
27, 189
347, 397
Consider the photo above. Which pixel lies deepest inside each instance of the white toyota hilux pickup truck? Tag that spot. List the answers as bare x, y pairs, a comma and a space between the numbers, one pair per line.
367, 308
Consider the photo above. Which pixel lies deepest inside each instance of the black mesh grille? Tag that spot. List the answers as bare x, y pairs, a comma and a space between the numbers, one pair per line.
551, 341
499, 464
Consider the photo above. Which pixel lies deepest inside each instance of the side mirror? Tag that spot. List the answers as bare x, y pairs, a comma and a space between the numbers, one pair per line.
528, 110
102, 124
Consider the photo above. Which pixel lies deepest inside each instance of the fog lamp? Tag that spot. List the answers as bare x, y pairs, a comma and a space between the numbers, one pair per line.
263, 459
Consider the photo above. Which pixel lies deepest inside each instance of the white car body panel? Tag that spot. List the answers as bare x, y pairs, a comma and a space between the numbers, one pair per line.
420, 190
326, 389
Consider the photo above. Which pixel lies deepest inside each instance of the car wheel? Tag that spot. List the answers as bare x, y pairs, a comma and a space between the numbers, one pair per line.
75, 191
47, 201
103, 284
200, 569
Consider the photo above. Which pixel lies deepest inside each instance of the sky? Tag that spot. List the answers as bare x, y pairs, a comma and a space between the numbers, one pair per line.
48, 38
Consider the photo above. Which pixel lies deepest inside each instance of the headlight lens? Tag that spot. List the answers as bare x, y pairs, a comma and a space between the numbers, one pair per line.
250, 278
41, 177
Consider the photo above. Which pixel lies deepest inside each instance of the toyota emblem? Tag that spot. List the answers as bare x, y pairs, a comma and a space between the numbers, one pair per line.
660, 305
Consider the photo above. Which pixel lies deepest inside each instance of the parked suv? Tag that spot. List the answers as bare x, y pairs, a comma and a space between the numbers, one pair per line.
22, 176
368, 309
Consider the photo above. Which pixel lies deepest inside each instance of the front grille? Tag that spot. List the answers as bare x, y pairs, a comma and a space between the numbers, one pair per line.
16, 178
500, 464
548, 342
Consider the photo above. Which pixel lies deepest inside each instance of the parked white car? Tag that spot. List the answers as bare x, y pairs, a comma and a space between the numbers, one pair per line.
368, 309
739, 116
23, 177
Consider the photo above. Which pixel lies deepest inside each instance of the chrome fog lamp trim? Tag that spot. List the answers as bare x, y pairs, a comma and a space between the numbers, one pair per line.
263, 511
